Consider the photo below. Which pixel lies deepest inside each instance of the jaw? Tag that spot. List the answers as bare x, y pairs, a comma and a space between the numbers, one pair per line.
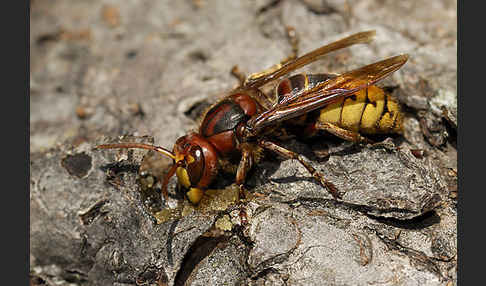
195, 195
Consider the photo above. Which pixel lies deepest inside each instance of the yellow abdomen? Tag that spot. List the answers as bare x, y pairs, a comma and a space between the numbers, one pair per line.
369, 111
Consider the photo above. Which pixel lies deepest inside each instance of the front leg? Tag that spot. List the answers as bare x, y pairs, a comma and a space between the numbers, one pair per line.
292, 155
246, 162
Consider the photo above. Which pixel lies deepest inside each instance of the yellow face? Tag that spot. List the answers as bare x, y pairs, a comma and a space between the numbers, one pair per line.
194, 194
181, 172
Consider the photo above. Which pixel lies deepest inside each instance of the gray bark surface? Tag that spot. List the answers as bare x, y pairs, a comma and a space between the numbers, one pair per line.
102, 69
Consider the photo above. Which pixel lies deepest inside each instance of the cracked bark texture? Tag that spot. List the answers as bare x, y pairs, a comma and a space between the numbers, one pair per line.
108, 68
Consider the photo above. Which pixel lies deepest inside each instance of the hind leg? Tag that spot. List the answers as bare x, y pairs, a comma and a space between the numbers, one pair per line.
342, 133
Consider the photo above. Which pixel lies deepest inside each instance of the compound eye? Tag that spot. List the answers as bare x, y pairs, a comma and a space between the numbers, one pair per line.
195, 164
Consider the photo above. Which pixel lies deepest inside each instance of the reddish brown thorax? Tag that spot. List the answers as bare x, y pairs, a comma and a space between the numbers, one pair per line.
220, 123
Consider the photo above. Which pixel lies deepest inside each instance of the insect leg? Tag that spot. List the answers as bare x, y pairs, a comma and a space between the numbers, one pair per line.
246, 162
244, 166
303, 161
240, 76
342, 133
293, 39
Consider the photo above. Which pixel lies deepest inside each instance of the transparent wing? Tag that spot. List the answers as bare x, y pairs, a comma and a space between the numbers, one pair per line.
340, 86
358, 38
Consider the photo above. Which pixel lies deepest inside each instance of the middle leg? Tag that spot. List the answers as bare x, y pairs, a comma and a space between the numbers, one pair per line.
293, 40
301, 159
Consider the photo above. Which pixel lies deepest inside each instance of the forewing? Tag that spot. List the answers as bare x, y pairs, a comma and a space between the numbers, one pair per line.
358, 38
343, 85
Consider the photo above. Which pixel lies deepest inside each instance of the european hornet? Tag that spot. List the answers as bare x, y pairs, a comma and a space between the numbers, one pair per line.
241, 125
